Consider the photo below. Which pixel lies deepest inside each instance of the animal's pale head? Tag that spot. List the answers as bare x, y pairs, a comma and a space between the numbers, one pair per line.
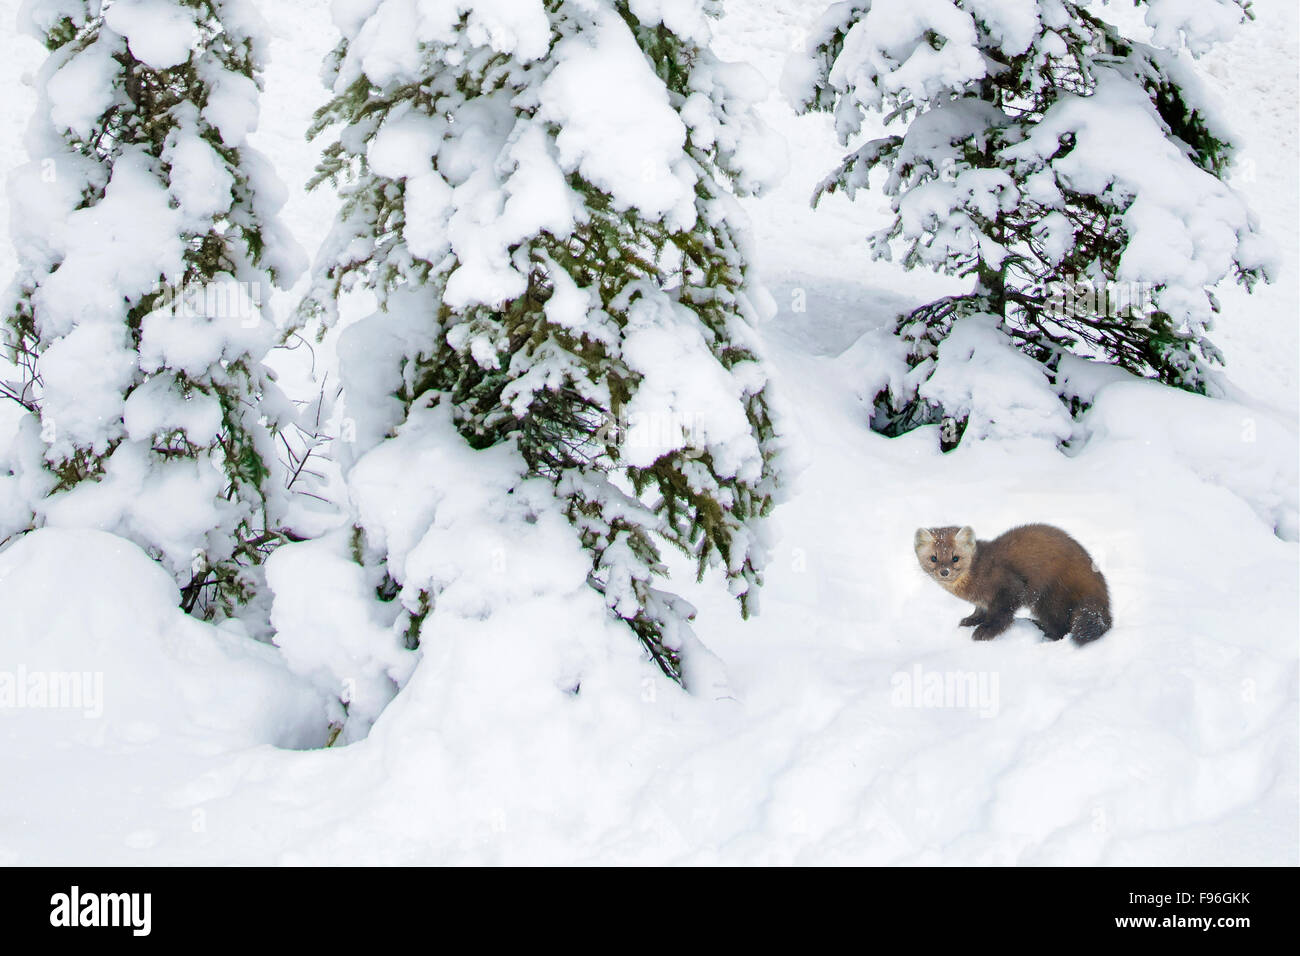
945, 554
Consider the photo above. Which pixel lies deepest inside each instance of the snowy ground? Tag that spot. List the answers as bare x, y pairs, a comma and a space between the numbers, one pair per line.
1172, 740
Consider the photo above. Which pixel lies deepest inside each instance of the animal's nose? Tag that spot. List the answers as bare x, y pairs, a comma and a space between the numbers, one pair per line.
944, 572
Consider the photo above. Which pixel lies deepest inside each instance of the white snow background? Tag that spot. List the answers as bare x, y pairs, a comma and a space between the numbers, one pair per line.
1173, 740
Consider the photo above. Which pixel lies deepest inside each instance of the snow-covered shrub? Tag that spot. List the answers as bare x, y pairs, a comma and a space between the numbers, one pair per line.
332, 631
146, 233
979, 378
541, 195
1071, 169
23, 481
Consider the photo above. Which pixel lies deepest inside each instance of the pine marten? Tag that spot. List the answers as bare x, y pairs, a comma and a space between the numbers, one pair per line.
1034, 566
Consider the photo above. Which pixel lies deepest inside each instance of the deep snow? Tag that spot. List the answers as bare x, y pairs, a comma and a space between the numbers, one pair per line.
1171, 740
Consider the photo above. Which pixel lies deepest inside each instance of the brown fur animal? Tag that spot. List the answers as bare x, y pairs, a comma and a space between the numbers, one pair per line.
1035, 566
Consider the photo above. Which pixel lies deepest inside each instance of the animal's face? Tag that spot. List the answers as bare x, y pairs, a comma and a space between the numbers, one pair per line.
945, 554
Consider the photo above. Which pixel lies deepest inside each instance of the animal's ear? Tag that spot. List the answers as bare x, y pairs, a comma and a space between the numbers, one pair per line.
965, 537
924, 537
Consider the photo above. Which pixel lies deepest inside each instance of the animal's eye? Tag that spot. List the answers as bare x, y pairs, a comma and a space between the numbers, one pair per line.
955, 560
933, 558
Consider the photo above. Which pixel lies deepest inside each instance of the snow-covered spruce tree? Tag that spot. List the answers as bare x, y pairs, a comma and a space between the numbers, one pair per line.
1072, 170
540, 194
147, 241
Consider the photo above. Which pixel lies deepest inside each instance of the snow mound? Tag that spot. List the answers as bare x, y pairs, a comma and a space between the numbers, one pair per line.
90, 615
1251, 452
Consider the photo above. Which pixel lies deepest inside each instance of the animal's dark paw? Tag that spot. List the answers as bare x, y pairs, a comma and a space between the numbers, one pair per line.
971, 620
985, 633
